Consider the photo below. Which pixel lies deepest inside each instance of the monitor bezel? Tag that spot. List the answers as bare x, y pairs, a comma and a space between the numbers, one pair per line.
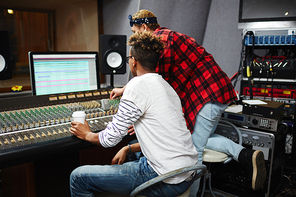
31, 65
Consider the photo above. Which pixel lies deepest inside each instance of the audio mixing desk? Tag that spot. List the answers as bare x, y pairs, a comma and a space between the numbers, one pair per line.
36, 146
37, 126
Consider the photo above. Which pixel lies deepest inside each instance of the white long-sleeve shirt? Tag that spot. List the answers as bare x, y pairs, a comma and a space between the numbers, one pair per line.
154, 108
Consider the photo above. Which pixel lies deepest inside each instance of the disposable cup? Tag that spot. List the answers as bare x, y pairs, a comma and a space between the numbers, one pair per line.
79, 116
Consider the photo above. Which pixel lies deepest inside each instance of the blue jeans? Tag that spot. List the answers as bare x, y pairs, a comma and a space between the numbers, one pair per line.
203, 136
121, 179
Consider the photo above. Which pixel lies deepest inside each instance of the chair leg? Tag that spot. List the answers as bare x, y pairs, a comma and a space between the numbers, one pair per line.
204, 184
209, 176
210, 185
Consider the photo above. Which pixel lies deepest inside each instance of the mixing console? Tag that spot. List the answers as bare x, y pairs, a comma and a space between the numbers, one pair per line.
24, 131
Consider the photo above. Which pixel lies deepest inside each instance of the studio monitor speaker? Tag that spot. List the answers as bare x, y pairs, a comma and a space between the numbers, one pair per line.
5, 65
112, 54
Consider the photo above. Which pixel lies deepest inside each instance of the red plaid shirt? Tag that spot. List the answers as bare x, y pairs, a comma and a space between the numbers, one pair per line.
193, 73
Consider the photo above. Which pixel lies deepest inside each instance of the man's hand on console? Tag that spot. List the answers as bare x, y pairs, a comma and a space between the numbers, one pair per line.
82, 131
116, 92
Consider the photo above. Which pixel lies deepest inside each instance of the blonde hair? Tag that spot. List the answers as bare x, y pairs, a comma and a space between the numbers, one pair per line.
145, 13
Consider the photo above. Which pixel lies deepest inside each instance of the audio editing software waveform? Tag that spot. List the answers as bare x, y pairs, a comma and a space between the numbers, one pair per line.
65, 76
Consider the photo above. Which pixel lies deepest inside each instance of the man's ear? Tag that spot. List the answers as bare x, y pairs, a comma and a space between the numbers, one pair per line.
145, 26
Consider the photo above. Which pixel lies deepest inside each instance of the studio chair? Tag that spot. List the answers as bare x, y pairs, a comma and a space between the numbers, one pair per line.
199, 167
211, 156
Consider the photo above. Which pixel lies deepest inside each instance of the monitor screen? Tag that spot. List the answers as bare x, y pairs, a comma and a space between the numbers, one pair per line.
267, 10
63, 72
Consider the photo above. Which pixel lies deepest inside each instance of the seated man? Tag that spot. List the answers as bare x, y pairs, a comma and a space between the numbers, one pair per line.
152, 106
205, 91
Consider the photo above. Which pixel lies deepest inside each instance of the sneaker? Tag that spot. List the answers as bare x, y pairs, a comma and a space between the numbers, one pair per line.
254, 161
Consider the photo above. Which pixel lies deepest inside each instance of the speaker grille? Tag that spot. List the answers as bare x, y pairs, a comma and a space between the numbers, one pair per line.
114, 42
114, 60
2, 63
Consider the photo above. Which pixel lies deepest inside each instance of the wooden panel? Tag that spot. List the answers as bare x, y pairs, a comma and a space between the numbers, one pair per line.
49, 176
98, 155
18, 181
31, 33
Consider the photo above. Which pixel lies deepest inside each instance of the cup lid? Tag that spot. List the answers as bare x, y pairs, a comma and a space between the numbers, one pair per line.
78, 113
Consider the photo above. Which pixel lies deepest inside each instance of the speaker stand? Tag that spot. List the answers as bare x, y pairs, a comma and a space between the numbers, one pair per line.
111, 80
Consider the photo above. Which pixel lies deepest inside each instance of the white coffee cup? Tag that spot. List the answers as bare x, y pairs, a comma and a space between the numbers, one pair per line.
79, 116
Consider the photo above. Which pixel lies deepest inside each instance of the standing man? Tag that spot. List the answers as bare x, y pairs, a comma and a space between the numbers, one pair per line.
152, 106
204, 89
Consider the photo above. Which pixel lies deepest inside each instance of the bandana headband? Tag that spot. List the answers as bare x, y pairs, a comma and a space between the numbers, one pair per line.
145, 20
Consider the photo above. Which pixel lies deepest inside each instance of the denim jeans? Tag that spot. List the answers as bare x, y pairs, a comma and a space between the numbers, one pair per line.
203, 136
121, 179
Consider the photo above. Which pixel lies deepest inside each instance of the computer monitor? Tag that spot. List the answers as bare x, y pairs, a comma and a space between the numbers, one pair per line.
63, 72
267, 10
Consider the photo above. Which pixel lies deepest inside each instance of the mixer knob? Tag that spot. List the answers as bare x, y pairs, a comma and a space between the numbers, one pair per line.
32, 137
262, 145
26, 138
6, 142
12, 140
255, 122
